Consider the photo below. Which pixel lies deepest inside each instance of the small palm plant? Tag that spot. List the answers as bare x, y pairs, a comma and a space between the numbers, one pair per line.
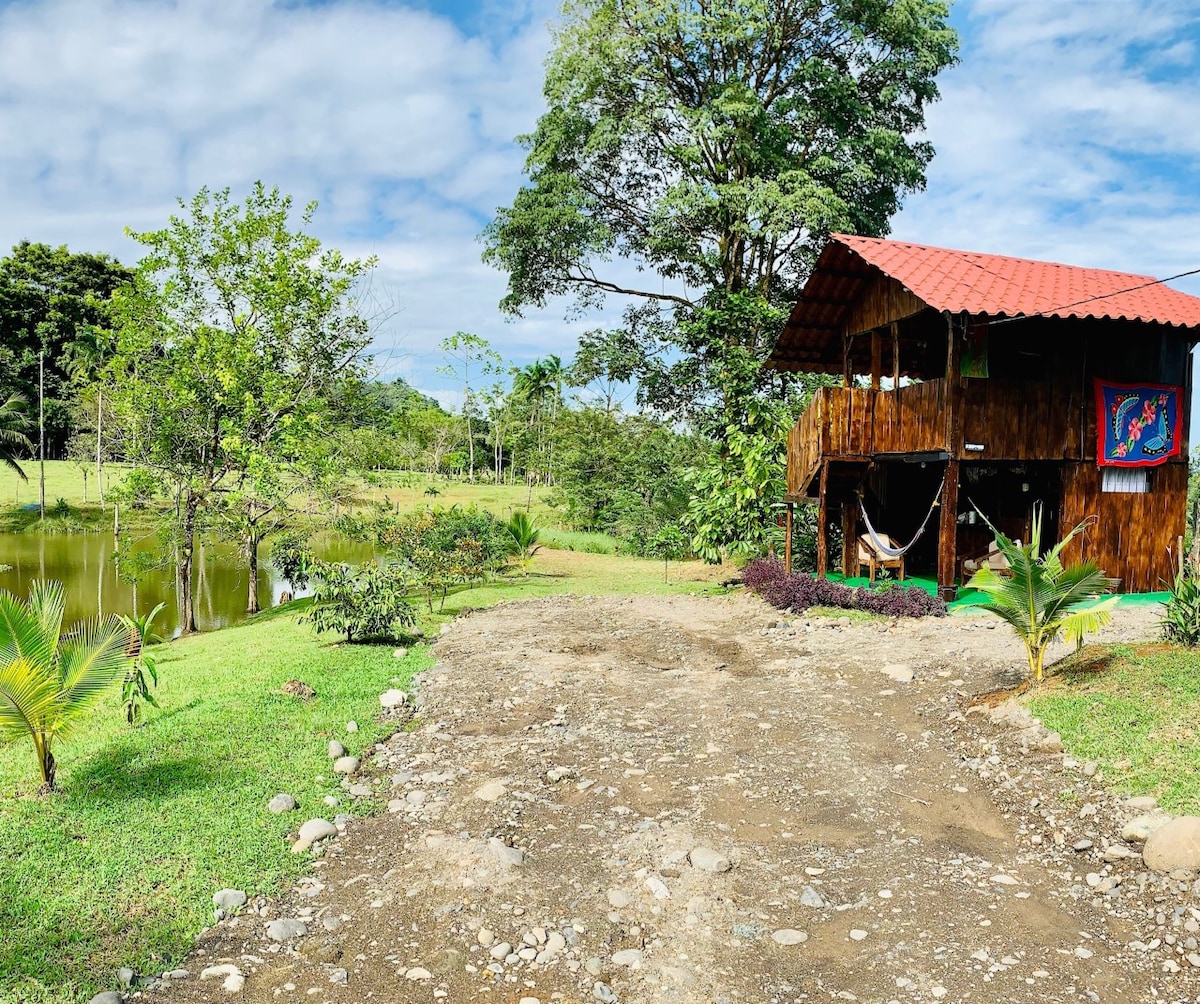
1041, 598
48, 680
12, 440
523, 536
142, 673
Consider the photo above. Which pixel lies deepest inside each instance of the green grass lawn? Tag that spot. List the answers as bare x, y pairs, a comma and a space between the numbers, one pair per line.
65, 480
119, 867
1135, 711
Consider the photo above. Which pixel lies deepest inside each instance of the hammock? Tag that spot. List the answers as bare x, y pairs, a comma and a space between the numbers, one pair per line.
885, 548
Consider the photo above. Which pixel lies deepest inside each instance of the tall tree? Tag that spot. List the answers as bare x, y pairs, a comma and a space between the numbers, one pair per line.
86, 358
713, 145
236, 336
469, 357
49, 299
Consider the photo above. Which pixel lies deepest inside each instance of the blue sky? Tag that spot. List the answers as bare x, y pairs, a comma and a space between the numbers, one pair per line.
1068, 132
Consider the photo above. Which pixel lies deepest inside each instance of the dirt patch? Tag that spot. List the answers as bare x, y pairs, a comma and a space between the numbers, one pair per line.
574, 753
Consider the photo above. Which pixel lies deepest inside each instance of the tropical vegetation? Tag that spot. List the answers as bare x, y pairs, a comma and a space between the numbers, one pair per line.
1041, 597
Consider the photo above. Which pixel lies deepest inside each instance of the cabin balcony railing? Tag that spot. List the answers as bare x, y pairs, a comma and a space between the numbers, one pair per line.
855, 423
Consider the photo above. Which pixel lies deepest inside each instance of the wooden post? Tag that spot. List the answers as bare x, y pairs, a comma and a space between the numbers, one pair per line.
895, 357
948, 525
822, 519
948, 533
876, 358
847, 367
849, 540
787, 540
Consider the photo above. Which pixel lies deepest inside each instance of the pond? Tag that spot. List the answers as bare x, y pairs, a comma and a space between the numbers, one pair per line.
84, 563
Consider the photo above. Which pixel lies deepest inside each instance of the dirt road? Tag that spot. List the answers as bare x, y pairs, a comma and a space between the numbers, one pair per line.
684, 799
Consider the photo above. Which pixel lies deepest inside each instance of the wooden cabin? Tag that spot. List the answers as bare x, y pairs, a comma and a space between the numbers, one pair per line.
982, 381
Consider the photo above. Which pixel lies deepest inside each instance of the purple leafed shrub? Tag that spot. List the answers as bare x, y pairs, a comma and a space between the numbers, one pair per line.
798, 592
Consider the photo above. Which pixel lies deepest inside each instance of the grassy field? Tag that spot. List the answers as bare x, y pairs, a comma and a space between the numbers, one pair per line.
65, 480
1136, 713
119, 867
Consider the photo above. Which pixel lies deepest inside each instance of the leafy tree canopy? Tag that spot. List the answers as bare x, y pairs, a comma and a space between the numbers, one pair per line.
56, 302
714, 144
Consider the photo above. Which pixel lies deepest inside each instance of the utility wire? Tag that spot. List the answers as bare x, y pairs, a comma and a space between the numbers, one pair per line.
1093, 299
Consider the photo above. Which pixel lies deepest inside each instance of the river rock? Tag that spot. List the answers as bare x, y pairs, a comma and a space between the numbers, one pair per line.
231, 977
490, 792
286, 928
107, 997
391, 699
789, 936
229, 899
345, 765
336, 749
1140, 827
1174, 845
311, 832
631, 957
708, 860
811, 898
898, 672
507, 856
281, 803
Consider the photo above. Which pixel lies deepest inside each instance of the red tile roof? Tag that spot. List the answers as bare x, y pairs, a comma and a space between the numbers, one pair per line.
992, 284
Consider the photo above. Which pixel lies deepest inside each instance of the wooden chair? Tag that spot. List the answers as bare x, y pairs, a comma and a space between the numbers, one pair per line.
993, 558
875, 559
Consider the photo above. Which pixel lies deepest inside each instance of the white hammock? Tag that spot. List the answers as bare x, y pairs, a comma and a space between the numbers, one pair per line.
886, 548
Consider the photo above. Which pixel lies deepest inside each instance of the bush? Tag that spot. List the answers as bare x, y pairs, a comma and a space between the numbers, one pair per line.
1181, 622
444, 547
799, 591
293, 559
365, 603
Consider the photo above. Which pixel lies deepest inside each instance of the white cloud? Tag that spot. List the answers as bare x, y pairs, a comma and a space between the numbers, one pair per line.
1068, 132
395, 119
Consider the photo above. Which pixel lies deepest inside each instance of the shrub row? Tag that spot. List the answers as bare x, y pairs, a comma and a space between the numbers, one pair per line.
799, 591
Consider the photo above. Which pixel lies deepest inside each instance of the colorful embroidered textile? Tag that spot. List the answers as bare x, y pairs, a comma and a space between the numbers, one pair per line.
1136, 425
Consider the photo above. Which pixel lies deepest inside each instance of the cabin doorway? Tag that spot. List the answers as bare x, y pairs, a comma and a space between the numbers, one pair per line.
1006, 493
897, 495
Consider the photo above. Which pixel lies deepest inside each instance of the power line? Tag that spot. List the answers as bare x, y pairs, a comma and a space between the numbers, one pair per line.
1093, 299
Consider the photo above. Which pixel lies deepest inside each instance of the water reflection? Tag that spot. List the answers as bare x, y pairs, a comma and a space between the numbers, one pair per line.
84, 563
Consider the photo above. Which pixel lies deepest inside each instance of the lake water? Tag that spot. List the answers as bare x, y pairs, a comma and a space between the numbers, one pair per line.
84, 563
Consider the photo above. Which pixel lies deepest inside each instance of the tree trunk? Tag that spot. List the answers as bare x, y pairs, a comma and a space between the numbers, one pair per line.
470, 452
252, 606
99, 468
187, 545
46, 761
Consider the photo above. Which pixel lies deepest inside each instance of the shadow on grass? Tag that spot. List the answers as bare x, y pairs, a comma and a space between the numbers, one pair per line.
121, 774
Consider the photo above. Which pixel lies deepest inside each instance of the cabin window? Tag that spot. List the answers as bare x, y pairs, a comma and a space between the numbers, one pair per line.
1131, 480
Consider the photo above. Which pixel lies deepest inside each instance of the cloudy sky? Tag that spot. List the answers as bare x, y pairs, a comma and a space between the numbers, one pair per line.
1068, 132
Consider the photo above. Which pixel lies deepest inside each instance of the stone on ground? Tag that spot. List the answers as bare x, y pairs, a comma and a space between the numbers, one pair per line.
789, 936
229, 899
281, 803
345, 765
311, 832
1174, 845
708, 860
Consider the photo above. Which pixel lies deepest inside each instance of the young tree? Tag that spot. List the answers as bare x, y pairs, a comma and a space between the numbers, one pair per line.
86, 358
469, 357
236, 335
50, 680
1041, 598
713, 145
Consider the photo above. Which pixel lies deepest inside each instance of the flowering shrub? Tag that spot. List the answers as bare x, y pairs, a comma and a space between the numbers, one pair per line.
798, 592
